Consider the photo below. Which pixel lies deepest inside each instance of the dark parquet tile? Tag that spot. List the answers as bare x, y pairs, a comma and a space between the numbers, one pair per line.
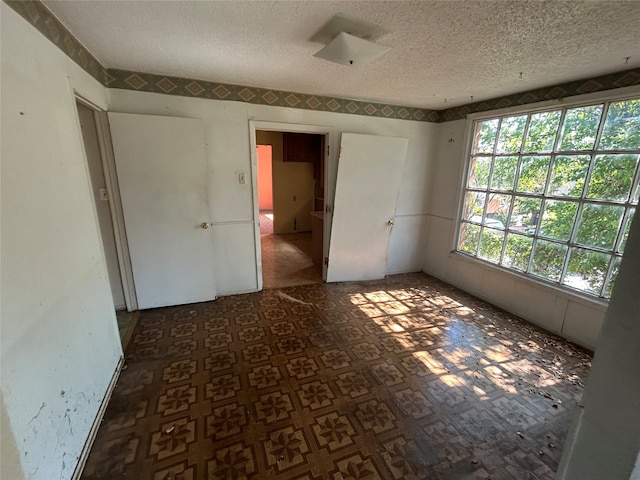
405, 378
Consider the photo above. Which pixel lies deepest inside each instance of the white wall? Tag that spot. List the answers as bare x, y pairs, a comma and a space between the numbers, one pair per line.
228, 152
60, 345
570, 316
604, 440
10, 466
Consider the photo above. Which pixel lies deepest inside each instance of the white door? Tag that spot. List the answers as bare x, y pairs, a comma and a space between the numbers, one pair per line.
369, 174
161, 167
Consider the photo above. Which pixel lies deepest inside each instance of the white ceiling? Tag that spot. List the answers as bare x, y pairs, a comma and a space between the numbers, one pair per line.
441, 50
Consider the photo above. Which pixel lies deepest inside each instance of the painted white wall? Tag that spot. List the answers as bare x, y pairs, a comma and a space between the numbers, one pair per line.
571, 316
60, 346
228, 152
10, 466
604, 440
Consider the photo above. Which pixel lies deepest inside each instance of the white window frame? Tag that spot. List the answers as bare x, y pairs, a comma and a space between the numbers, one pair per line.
622, 94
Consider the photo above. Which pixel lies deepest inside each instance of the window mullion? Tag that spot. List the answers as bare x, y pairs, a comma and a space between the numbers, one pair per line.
515, 182
534, 245
493, 161
599, 263
636, 181
556, 142
603, 117
525, 133
607, 278
495, 141
534, 238
565, 265
506, 228
552, 162
593, 153
543, 205
572, 243
621, 228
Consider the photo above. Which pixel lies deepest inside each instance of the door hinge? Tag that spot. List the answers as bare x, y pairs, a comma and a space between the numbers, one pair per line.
326, 261
328, 208
328, 149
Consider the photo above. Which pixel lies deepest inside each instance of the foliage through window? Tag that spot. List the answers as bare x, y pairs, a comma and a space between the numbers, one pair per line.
551, 194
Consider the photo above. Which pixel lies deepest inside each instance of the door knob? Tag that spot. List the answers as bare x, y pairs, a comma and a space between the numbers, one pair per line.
390, 223
204, 225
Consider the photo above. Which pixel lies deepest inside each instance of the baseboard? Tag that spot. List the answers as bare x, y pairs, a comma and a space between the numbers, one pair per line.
84, 455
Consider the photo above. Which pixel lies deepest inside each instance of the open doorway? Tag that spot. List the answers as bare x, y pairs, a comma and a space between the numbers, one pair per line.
290, 182
103, 202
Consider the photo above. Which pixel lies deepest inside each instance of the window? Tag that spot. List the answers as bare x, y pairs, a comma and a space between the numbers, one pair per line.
551, 194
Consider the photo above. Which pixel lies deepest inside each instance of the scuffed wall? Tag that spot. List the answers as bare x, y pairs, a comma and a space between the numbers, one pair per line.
60, 344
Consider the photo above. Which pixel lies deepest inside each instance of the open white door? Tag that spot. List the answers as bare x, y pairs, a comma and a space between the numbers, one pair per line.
161, 167
369, 174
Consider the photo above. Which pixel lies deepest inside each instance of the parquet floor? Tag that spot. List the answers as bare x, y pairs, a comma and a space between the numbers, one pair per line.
405, 378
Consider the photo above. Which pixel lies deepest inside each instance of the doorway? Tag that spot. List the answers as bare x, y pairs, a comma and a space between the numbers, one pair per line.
103, 203
290, 184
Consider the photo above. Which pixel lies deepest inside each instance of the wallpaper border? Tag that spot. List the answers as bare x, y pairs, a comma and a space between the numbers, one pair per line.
41, 18
602, 83
189, 87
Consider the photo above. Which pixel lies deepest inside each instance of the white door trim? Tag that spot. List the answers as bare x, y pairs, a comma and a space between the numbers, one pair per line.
113, 191
254, 125
117, 214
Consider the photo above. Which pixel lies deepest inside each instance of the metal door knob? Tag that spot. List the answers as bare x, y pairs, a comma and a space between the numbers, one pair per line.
204, 225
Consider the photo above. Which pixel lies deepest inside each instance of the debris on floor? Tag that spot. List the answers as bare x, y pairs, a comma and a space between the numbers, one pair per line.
281, 294
402, 378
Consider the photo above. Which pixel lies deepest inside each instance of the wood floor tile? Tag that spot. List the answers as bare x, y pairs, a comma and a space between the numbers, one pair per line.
403, 378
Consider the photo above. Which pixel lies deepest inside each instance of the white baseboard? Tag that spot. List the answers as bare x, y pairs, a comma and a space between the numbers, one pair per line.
84, 455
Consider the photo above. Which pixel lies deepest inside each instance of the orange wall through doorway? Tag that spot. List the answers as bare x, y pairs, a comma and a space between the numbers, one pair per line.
265, 178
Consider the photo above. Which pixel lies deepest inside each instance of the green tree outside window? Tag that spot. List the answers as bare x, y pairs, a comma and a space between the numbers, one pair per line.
552, 193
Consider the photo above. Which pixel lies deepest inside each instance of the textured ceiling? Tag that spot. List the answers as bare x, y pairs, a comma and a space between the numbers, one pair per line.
452, 50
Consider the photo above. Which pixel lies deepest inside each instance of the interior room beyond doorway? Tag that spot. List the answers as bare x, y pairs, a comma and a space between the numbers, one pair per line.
289, 189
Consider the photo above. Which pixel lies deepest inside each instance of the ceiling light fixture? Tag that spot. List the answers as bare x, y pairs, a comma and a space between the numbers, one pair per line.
347, 49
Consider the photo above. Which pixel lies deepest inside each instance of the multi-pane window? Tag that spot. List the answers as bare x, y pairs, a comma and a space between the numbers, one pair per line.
551, 194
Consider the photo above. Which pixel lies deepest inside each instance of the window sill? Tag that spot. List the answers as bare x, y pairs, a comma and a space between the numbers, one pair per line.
566, 293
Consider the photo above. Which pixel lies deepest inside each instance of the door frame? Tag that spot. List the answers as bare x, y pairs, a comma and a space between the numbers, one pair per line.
113, 191
268, 126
